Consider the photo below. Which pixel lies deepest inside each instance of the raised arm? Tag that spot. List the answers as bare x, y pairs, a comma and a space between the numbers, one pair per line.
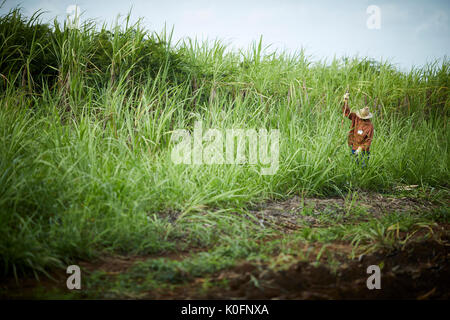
345, 109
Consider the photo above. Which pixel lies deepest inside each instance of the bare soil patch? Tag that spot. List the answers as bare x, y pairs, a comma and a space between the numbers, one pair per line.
286, 215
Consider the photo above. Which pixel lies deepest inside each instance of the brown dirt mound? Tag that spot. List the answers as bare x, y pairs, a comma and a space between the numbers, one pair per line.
419, 271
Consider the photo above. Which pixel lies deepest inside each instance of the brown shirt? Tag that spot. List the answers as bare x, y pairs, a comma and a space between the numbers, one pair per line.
361, 132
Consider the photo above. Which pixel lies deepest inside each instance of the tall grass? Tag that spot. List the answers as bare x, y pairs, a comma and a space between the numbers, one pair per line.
85, 148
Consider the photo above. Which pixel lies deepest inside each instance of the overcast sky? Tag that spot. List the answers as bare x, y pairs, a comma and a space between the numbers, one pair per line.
409, 32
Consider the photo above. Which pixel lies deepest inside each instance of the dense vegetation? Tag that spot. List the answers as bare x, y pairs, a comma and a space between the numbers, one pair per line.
86, 116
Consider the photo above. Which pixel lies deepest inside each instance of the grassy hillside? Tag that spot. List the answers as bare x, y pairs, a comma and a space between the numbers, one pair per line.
86, 117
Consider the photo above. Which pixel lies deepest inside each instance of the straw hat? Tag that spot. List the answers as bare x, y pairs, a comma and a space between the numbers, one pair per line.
364, 113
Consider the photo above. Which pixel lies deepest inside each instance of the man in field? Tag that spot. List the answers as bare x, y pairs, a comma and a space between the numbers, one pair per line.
361, 133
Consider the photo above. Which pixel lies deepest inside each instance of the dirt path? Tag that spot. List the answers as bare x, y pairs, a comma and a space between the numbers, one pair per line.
285, 214
418, 269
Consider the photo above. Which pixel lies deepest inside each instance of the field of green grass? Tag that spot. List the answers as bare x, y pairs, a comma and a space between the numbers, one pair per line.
86, 117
